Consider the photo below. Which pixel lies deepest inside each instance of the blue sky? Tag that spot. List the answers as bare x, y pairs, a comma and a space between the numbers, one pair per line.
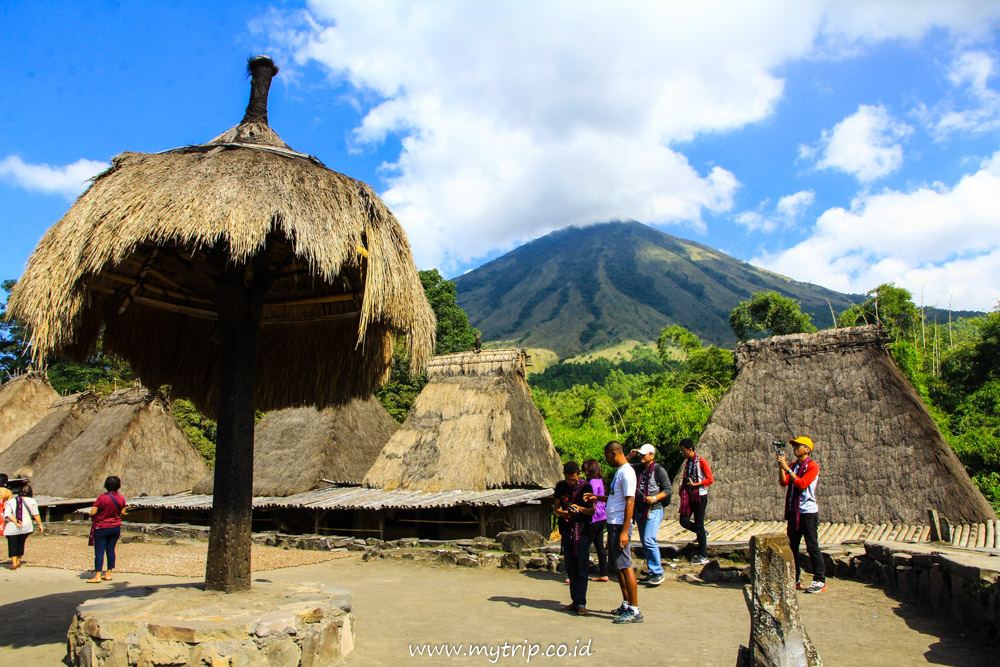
842, 143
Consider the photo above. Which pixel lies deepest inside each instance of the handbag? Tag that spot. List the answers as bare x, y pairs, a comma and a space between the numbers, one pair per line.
93, 523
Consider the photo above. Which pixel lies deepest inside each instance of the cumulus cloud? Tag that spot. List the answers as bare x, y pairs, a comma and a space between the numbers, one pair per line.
865, 144
787, 213
517, 118
69, 180
937, 242
969, 74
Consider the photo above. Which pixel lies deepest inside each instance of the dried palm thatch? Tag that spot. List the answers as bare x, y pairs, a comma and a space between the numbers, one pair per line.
881, 456
295, 449
24, 400
472, 428
66, 419
133, 435
138, 257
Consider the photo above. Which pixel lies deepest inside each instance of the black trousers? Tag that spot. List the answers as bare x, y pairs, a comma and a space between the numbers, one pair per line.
577, 567
698, 525
808, 526
596, 533
15, 545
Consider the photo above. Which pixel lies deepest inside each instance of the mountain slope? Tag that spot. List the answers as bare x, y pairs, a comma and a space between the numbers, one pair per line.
580, 288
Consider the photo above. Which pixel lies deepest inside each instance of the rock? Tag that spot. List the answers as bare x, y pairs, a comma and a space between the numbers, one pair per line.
275, 623
777, 635
467, 561
537, 563
517, 541
711, 572
510, 561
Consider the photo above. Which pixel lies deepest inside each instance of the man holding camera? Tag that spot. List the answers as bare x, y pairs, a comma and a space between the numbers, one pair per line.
801, 509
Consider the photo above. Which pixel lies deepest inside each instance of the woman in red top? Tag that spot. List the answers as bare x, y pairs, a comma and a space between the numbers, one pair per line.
107, 528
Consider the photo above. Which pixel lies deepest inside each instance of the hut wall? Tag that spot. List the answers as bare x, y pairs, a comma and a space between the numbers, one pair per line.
24, 401
881, 456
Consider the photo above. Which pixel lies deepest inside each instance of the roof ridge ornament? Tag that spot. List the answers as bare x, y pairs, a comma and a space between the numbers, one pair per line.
261, 69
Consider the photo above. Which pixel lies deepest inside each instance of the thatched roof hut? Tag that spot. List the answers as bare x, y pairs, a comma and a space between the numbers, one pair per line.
24, 400
66, 419
295, 449
472, 428
141, 253
881, 456
133, 435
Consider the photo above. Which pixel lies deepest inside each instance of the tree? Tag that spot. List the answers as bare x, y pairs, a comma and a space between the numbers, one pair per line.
706, 369
770, 313
890, 306
13, 341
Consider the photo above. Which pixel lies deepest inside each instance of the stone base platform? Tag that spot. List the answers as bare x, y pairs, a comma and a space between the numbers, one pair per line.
271, 625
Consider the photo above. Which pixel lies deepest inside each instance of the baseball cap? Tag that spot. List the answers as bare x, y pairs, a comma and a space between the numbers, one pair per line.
802, 440
647, 449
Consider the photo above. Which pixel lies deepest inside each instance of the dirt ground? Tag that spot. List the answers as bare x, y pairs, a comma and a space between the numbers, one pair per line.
402, 606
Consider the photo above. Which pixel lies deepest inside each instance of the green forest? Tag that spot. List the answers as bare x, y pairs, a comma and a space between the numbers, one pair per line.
668, 395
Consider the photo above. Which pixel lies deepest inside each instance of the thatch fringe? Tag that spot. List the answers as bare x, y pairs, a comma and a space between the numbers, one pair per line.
24, 400
472, 428
68, 416
295, 449
881, 456
133, 435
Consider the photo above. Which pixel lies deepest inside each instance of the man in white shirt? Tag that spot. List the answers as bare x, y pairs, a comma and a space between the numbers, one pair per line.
620, 507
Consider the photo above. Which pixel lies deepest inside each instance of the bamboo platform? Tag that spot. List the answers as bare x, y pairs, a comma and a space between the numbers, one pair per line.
972, 536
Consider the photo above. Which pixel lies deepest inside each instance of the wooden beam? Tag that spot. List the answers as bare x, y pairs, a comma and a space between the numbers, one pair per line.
156, 289
329, 298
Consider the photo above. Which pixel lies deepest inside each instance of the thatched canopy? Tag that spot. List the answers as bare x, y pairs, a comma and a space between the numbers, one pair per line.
66, 419
24, 400
296, 448
881, 456
133, 435
472, 428
137, 259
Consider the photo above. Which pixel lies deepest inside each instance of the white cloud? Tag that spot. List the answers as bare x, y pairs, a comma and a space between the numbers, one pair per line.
970, 73
521, 117
69, 180
937, 242
786, 214
865, 144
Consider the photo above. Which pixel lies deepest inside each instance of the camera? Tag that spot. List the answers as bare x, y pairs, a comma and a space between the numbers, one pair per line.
778, 446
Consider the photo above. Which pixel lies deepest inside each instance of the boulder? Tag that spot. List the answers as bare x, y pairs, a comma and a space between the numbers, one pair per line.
517, 541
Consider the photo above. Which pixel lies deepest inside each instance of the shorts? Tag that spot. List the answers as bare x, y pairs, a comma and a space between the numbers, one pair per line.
622, 558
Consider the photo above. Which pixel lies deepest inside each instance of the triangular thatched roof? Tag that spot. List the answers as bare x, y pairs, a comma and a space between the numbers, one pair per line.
66, 419
133, 435
881, 456
24, 400
472, 428
295, 449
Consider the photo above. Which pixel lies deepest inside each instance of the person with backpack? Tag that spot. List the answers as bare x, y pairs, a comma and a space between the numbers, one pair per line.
801, 509
652, 494
106, 528
18, 514
694, 497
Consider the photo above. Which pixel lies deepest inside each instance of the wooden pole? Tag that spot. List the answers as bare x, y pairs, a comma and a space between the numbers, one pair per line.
239, 303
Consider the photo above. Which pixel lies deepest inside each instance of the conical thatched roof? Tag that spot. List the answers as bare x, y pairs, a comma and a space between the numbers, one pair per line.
139, 255
472, 428
881, 456
133, 435
66, 419
24, 400
295, 449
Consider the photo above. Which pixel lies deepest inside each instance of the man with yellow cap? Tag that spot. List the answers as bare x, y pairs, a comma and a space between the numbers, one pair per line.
801, 509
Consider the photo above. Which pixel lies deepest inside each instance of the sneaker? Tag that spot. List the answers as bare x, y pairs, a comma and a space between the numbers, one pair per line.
798, 586
655, 580
629, 617
699, 560
816, 587
622, 608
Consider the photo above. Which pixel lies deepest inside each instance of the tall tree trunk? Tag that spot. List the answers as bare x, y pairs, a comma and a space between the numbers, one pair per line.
239, 304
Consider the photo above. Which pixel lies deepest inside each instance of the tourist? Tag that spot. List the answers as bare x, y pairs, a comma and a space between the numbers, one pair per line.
18, 514
694, 497
5, 495
561, 496
106, 528
575, 540
592, 468
652, 493
620, 508
801, 509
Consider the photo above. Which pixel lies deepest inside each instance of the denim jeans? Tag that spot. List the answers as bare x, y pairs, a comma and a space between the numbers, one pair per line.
647, 534
105, 540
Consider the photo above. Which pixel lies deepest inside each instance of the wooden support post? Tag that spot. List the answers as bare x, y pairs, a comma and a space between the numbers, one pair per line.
932, 517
